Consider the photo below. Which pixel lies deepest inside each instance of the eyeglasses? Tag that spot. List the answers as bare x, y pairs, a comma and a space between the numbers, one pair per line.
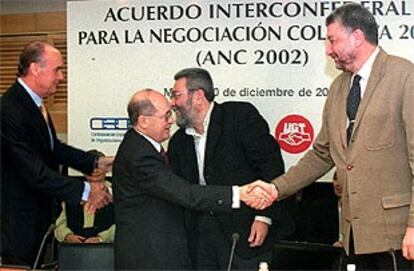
166, 117
175, 94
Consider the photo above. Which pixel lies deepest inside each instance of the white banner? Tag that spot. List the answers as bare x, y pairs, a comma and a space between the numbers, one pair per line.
270, 53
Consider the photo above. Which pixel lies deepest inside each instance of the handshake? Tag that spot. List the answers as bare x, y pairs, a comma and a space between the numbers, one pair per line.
258, 195
99, 195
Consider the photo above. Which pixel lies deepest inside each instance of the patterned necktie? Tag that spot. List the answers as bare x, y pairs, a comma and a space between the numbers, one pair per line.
353, 100
164, 156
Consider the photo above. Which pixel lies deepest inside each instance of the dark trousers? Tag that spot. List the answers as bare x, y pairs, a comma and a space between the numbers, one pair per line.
390, 260
16, 261
212, 248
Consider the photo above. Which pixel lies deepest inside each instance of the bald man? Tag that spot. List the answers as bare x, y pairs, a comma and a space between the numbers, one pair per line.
150, 200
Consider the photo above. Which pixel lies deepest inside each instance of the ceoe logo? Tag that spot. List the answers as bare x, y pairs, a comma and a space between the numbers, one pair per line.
294, 133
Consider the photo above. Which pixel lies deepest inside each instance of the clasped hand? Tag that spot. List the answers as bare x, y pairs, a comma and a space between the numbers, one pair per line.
99, 195
258, 195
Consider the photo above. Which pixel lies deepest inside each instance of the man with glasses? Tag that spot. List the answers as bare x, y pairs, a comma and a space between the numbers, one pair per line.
367, 133
224, 144
149, 198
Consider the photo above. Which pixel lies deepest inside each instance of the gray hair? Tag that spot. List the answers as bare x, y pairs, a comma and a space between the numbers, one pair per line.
355, 16
32, 53
198, 78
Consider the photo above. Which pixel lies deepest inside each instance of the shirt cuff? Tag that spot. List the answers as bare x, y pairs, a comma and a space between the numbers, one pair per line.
236, 197
86, 190
263, 219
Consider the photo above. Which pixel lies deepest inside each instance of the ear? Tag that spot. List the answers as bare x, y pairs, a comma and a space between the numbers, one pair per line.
199, 95
34, 68
142, 121
359, 37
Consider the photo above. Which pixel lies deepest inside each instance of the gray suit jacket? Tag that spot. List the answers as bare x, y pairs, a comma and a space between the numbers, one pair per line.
376, 170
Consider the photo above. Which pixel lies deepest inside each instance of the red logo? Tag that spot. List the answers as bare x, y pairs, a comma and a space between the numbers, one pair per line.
294, 133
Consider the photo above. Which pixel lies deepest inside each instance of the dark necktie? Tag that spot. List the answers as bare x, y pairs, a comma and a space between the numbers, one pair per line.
164, 156
354, 98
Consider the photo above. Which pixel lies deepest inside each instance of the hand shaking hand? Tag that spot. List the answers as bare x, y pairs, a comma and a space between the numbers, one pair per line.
258, 195
99, 197
105, 163
98, 175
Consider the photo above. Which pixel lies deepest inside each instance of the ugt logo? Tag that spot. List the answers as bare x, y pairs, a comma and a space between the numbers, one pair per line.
294, 133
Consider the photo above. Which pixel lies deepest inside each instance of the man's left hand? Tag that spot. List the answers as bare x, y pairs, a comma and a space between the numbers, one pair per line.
258, 233
408, 244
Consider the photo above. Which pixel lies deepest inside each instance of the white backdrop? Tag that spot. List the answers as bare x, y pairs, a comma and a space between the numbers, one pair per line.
270, 53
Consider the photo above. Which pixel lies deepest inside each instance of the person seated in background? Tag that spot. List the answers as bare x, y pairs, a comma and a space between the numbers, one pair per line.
75, 225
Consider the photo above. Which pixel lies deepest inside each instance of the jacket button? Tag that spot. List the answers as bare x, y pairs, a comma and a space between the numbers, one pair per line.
220, 202
349, 167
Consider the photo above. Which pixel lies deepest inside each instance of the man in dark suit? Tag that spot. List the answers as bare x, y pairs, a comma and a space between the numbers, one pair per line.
149, 199
223, 144
30, 157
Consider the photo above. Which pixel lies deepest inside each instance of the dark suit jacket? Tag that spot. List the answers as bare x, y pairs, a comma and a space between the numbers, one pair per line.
149, 207
29, 175
239, 150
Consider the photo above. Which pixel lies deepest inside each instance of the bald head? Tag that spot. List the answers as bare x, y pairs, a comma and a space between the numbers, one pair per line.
143, 103
150, 113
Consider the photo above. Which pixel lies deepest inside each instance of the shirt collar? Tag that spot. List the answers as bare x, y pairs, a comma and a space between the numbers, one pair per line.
154, 143
36, 98
365, 70
191, 131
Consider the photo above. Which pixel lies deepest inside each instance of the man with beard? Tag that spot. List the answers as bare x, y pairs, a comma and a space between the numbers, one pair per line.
150, 200
367, 133
223, 144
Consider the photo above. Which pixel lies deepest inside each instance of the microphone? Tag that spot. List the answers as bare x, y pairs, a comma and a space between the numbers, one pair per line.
235, 236
42, 244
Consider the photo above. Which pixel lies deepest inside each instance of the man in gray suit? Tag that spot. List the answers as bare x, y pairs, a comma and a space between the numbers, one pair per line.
368, 134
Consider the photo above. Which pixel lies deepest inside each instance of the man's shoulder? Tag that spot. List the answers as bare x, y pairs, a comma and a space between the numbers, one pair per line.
235, 108
399, 63
11, 93
233, 105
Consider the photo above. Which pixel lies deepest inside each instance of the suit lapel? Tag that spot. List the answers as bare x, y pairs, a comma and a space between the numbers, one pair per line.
35, 114
373, 80
191, 158
343, 124
214, 132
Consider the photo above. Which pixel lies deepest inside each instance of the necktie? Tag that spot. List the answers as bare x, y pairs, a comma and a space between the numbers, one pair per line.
44, 112
353, 100
164, 156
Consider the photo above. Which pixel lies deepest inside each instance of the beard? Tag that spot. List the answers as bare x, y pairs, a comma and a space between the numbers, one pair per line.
183, 121
345, 62
184, 116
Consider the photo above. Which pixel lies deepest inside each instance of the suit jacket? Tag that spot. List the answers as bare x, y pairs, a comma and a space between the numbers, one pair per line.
239, 150
29, 175
376, 170
149, 207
